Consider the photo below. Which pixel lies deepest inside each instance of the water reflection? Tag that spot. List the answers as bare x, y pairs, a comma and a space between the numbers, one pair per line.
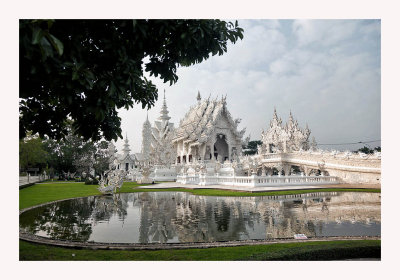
182, 217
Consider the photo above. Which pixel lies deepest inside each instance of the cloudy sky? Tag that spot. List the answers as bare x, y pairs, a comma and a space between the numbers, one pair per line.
327, 72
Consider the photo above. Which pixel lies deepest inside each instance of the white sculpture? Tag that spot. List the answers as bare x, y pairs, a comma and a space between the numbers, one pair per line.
113, 181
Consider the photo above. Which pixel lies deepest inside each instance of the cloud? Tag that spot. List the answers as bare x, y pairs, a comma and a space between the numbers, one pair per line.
324, 32
321, 70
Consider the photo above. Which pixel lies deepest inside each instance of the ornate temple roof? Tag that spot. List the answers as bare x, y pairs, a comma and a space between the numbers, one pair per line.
277, 133
199, 122
125, 156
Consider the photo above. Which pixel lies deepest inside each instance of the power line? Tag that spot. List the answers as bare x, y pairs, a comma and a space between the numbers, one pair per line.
360, 142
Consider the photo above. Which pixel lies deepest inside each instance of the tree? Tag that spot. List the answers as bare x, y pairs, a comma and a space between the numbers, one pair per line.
251, 148
62, 153
74, 154
367, 150
101, 158
84, 70
32, 152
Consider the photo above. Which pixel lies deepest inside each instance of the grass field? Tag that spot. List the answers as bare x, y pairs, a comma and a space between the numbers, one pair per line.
41, 193
331, 250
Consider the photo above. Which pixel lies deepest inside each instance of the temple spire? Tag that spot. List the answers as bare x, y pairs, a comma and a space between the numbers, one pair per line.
275, 120
126, 148
164, 111
146, 139
198, 97
290, 122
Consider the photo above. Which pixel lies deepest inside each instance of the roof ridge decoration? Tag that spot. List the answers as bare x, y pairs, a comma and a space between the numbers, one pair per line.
199, 123
288, 137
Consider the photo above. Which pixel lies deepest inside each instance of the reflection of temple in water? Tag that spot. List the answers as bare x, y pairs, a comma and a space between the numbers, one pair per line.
205, 219
182, 217
108, 206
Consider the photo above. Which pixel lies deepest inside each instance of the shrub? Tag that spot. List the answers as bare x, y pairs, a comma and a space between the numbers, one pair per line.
91, 182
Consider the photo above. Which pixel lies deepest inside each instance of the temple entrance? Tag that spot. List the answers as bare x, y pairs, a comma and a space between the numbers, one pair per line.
221, 149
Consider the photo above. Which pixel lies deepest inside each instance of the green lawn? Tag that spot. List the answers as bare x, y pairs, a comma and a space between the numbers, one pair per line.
41, 193
332, 250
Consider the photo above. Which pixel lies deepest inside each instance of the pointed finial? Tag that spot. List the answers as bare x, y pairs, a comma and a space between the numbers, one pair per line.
198, 97
164, 110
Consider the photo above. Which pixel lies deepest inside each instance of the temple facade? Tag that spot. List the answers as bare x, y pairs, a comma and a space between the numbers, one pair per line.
124, 161
208, 132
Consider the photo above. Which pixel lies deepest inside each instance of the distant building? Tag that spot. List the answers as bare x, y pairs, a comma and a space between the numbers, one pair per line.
157, 148
126, 160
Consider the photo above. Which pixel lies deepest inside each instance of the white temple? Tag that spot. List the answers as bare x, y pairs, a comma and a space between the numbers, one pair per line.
206, 149
208, 131
126, 160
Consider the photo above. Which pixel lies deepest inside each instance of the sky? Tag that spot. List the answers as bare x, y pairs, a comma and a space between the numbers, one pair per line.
326, 72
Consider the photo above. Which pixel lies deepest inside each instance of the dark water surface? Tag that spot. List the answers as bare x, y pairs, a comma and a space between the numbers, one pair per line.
182, 217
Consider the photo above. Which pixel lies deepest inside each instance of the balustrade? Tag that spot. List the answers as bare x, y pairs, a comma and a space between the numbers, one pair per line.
256, 181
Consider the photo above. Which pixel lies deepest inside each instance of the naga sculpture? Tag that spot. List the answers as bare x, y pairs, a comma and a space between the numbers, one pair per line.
113, 181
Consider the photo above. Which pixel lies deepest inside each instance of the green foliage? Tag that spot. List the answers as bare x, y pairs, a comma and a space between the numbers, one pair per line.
74, 154
84, 70
91, 182
63, 153
32, 152
367, 150
251, 148
101, 158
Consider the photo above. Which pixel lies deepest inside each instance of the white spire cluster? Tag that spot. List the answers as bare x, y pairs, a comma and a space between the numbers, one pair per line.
285, 138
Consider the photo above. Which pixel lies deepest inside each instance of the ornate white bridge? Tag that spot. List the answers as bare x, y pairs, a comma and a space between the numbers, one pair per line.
284, 169
349, 167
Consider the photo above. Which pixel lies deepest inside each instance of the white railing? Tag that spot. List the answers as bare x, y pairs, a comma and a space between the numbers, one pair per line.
24, 180
256, 181
188, 179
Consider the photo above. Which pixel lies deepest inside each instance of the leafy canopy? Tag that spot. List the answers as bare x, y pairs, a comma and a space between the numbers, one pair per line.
251, 148
32, 152
84, 70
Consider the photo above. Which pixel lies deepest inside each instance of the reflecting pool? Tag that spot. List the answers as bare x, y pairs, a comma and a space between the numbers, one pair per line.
170, 217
